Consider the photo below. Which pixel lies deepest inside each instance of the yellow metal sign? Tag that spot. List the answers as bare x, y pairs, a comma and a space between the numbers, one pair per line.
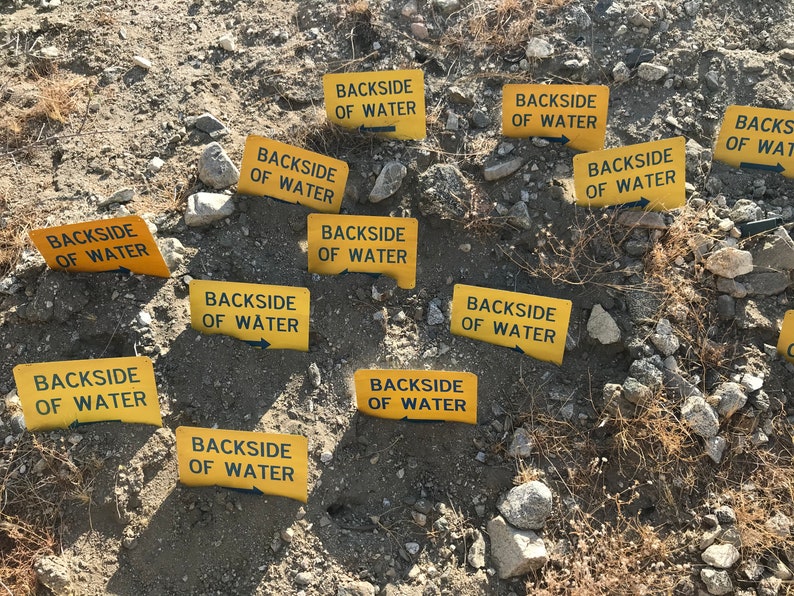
417, 395
291, 174
572, 115
122, 244
275, 317
390, 102
785, 344
264, 463
74, 392
757, 139
364, 244
647, 175
529, 324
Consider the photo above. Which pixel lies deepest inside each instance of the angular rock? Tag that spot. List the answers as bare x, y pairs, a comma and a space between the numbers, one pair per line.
388, 181
204, 208
476, 555
539, 48
360, 588
642, 219
731, 287
602, 327
527, 506
226, 42
215, 169
715, 448
637, 56
678, 385
729, 262
173, 252
779, 525
518, 216
722, 556
765, 283
664, 339
515, 552
700, 417
208, 123
647, 373
652, 72
53, 572
730, 397
745, 210
447, 7
435, 316
142, 62
726, 307
621, 73
774, 251
636, 392
521, 445
717, 582
121, 196
502, 169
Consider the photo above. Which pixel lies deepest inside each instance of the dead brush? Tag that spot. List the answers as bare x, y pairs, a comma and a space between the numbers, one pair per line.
758, 483
497, 26
58, 96
13, 231
588, 257
36, 480
623, 557
681, 293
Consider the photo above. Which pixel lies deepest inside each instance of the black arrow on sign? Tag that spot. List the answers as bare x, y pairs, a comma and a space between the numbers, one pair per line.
258, 343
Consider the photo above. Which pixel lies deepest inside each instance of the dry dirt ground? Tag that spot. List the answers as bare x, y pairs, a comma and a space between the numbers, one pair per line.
633, 492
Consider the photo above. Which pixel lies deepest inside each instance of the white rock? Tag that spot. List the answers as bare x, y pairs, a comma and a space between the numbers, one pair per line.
144, 63
722, 556
539, 48
447, 6
729, 262
621, 73
144, 319
215, 169
173, 252
412, 548
602, 327
155, 165
718, 582
648, 71
502, 169
204, 208
388, 181
527, 506
521, 445
715, 448
515, 552
664, 339
700, 417
476, 555
730, 398
752, 382
227, 42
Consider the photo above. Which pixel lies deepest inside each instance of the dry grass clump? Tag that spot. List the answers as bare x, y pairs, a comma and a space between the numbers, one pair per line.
682, 294
57, 96
584, 254
36, 480
13, 231
624, 557
497, 25
758, 484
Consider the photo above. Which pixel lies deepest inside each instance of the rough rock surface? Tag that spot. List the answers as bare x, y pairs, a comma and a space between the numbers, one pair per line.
515, 552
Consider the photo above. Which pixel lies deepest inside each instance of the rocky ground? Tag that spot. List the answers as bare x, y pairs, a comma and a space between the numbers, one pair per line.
656, 459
